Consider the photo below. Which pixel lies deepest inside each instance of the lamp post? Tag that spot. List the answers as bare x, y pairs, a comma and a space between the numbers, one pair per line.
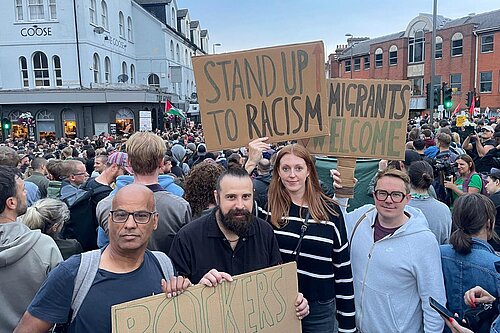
215, 45
352, 46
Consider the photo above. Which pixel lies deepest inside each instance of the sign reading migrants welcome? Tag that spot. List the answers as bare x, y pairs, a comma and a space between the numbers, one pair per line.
367, 118
262, 301
279, 92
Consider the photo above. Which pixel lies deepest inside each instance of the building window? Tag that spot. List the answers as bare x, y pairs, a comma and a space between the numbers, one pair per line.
186, 57
104, 15
439, 47
485, 82
93, 12
487, 43
457, 44
154, 80
379, 58
19, 10
437, 86
24, 72
456, 83
393, 55
172, 52
36, 10
107, 70
124, 68
132, 74
178, 53
357, 64
347, 66
130, 33
52, 9
41, 70
417, 84
95, 68
56, 62
121, 22
367, 62
174, 19
416, 47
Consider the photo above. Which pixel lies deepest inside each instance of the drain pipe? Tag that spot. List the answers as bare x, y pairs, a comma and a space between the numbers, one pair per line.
77, 46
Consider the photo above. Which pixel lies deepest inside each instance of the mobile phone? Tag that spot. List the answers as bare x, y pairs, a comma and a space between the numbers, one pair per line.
444, 311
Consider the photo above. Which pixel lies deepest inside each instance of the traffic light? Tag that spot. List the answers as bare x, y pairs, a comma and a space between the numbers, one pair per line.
447, 96
6, 124
437, 97
470, 96
428, 94
477, 101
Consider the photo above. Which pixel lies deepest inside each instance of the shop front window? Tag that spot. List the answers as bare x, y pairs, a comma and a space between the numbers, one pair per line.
69, 124
124, 122
46, 125
18, 129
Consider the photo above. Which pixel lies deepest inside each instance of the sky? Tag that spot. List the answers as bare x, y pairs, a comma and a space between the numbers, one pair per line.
248, 24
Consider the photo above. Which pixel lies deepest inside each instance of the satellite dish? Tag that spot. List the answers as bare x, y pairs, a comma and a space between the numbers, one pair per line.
122, 78
99, 30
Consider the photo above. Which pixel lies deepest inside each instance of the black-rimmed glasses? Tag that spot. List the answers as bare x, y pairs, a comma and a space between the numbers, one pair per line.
396, 196
140, 217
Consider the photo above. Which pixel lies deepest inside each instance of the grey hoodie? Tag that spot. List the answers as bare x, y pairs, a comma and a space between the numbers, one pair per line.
26, 258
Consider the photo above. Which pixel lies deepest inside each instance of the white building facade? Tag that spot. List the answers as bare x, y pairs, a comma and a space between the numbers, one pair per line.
82, 67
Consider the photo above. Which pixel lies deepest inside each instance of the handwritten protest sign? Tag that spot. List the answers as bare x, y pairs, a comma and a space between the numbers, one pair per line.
368, 118
260, 301
461, 121
279, 92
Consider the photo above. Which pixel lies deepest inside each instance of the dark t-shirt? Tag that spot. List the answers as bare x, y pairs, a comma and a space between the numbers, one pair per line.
53, 301
380, 231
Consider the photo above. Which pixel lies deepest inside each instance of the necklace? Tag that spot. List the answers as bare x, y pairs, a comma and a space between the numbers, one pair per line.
232, 241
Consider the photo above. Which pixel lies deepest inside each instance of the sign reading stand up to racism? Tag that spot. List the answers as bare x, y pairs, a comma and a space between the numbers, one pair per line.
367, 118
279, 92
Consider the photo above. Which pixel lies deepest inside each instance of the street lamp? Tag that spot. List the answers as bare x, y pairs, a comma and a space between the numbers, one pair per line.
352, 46
213, 47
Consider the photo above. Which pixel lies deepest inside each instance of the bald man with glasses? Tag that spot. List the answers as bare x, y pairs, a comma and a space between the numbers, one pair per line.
395, 259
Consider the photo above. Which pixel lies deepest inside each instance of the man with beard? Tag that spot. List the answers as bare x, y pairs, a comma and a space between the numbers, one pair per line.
229, 240
26, 256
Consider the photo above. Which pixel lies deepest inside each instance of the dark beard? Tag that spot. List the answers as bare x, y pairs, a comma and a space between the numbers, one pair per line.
235, 222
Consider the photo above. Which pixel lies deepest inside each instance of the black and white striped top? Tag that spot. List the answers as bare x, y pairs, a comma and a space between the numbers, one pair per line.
323, 265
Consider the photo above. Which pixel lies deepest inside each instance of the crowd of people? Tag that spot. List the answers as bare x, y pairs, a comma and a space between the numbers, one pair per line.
89, 223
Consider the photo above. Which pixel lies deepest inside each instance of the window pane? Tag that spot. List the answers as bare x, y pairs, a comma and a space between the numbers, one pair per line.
367, 62
19, 10
486, 79
456, 48
35, 10
348, 65
417, 86
456, 83
393, 58
487, 43
357, 64
378, 60
52, 9
439, 50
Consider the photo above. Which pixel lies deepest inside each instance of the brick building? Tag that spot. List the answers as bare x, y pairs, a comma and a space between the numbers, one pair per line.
466, 58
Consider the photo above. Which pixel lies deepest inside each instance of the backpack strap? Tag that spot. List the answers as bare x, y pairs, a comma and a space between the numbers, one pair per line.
358, 222
165, 263
89, 265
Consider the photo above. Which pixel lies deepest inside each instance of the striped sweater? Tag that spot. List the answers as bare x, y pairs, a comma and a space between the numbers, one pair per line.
323, 263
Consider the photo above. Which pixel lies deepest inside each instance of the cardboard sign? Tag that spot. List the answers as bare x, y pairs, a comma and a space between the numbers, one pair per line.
277, 92
461, 120
260, 301
368, 118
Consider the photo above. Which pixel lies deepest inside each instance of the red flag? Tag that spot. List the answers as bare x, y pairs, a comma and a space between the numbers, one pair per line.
472, 106
168, 105
457, 109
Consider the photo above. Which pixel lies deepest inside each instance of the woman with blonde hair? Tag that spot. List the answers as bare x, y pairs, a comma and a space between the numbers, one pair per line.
310, 230
49, 215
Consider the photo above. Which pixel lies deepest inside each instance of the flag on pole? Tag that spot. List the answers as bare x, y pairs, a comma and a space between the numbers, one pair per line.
457, 109
169, 109
471, 110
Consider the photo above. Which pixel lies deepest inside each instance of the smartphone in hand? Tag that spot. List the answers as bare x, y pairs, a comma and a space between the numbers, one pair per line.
445, 312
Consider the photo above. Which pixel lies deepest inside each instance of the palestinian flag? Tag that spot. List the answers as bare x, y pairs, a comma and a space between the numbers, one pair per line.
169, 109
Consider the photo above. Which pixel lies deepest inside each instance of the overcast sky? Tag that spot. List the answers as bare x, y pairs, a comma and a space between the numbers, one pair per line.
247, 24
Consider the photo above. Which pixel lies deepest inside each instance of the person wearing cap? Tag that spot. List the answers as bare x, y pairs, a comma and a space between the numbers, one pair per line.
493, 189
201, 151
478, 145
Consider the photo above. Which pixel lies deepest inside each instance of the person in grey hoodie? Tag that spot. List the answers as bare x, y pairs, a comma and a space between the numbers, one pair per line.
395, 258
26, 256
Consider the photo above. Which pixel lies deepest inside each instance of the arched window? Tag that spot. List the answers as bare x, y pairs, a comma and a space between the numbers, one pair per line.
186, 57
154, 80
107, 70
41, 69
174, 19
393, 55
56, 64
439, 47
379, 53
23, 64
93, 12
178, 53
457, 44
104, 15
132, 74
95, 68
416, 47
124, 68
172, 51
121, 22
130, 34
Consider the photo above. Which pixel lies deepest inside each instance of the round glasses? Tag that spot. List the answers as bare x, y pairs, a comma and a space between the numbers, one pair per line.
140, 217
396, 196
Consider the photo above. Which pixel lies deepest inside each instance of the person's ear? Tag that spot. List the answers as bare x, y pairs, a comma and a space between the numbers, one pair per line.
216, 196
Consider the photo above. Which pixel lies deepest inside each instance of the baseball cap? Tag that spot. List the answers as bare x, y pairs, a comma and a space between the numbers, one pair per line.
494, 173
487, 128
202, 149
120, 159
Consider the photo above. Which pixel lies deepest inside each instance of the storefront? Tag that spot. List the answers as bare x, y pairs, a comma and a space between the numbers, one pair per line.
45, 125
18, 129
124, 121
69, 123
